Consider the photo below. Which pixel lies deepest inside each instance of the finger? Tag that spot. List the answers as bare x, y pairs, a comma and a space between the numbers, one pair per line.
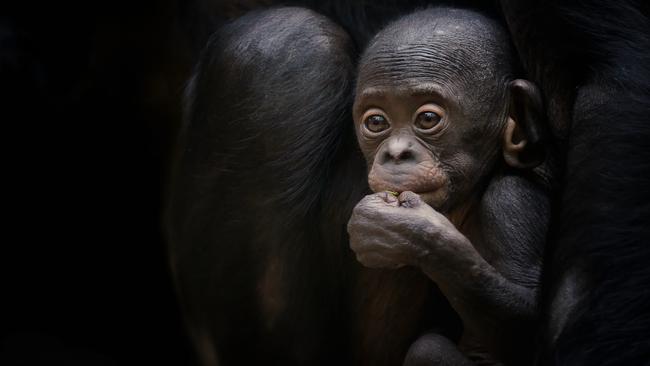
380, 199
409, 199
389, 198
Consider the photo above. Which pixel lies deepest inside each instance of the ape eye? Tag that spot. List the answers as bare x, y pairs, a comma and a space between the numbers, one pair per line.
376, 123
427, 120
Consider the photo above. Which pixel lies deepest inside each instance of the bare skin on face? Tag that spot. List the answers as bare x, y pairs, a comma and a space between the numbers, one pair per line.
396, 130
442, 130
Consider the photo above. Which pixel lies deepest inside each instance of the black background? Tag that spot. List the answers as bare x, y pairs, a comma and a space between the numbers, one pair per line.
90, 102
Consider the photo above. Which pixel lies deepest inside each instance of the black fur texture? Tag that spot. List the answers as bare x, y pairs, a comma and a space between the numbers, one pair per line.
591, 60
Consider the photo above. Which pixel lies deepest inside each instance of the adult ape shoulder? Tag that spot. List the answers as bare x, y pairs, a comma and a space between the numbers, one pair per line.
441, 118
267, 180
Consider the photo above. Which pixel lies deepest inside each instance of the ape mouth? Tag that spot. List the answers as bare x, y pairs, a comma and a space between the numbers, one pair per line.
421, 179
434, 197
420, 189
433, 192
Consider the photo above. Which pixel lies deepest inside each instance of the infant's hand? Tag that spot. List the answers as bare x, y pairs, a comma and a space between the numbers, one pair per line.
389, 232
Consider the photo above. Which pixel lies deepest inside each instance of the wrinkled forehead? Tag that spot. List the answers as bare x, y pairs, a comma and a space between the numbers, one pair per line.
412, 64
455, 49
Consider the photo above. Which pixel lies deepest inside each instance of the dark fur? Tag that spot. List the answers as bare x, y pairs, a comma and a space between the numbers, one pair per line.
592, 62
252, 178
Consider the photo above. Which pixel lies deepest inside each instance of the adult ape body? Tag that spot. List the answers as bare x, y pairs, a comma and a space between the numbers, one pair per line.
591, 60
438, 112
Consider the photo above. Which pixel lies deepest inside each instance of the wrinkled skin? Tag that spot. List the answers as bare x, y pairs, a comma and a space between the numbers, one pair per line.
453, 134
390, 232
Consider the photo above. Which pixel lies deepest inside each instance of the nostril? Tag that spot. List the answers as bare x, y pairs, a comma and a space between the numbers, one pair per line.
405, 155
386, 157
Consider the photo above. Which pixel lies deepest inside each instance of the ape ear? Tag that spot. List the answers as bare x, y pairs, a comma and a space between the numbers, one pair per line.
522, 137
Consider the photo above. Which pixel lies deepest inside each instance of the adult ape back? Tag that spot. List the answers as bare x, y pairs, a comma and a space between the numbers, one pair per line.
442, 120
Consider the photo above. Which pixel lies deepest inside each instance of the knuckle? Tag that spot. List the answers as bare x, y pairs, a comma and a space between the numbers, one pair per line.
352, 226
371, 197
358, 245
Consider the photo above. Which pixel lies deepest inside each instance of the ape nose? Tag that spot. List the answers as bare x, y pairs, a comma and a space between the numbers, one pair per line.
399, 151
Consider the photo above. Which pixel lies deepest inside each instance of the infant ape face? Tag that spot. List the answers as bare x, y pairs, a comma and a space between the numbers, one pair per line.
398, 131
430, 105
436, 104
418, 137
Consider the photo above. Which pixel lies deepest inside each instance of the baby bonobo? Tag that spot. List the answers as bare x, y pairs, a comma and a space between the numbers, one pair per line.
451, 139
